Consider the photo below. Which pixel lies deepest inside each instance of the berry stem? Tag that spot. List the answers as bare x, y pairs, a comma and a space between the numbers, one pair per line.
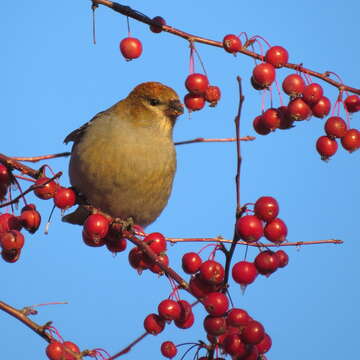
203, 140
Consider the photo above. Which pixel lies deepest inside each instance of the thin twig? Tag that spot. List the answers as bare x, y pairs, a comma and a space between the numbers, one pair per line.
42, 157
203, 140
226, 241
128, 348
20, 315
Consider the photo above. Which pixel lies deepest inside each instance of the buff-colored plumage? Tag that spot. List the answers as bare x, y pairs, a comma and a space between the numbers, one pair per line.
123, 161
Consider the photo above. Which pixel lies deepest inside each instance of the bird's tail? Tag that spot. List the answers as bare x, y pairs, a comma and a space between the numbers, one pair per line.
77, 217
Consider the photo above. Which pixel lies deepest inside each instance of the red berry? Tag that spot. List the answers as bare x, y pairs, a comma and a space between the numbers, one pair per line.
253, 333
234, 346
11, 256
64, 198
186, 310
232, 43
299, 110
169, 310
237, 317
154, 324
276, 231
5, 175
266, 208
30, 218
264, 345
131, 48
212, 95
194, 102
115, 245
216, 303
286, 122
326, 147
252, 354
271, 119
136, 259
55, 351
282, 257
259, 126
212, 272
312, 93
266, 262
9, 222
255, 85
156, 241
335, 127
351, 140
91, 241
168, 349
191, 262
215, 325
199, 287
264, 74
154, 267
47, 191
12, 240
197, 84
249, 228
277, 56
71, 346
157, 28
293, 85
244, 272
3, 191
352, 103
96, 226
321, 108
186, 324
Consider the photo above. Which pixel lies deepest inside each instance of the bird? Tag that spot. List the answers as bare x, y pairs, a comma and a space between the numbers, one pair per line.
123, 161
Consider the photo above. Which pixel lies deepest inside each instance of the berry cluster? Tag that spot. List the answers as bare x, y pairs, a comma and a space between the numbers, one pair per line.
199, 92
180, 312
11, 239
57, 350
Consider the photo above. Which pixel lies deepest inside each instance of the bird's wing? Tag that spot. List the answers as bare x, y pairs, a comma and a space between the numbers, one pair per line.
77, 134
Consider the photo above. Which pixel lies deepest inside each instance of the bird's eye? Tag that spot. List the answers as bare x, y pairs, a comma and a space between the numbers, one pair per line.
154, 102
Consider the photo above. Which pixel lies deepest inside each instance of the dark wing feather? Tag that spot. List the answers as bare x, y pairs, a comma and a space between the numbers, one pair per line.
77, 134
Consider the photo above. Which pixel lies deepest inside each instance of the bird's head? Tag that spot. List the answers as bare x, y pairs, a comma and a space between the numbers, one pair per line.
154, 102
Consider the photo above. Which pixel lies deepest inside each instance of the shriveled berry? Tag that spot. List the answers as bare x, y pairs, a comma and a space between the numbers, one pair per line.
30, 219
158, 27
212, 95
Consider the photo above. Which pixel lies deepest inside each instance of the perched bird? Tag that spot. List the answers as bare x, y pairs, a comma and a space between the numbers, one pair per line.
123, 161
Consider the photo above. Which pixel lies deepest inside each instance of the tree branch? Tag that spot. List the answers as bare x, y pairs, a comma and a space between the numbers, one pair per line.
128, 11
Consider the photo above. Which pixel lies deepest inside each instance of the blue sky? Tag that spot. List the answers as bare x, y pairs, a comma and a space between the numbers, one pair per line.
53, 80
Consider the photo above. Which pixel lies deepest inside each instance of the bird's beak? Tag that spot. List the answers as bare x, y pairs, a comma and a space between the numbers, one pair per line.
175, 108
